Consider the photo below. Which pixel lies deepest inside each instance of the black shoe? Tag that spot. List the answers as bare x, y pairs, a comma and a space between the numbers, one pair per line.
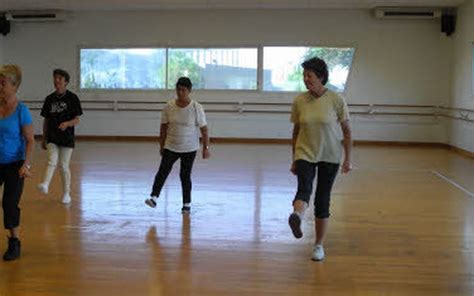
13, 251
186, 210
150, 202
295, 224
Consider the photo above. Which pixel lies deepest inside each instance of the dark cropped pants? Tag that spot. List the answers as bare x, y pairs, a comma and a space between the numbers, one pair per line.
306, 172
12, 189
168, 159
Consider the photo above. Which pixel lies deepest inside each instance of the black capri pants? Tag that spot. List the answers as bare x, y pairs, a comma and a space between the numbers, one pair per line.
306, 171
167, 160
12, 189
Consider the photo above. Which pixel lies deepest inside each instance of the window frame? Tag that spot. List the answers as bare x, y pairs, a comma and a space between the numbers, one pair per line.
259, 75
216, 47
125, 90
351, 65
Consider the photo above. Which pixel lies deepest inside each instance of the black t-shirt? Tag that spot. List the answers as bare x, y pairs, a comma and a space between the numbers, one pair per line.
58, 109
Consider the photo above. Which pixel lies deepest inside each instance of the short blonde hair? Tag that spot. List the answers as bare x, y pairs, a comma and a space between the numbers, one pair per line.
12, 72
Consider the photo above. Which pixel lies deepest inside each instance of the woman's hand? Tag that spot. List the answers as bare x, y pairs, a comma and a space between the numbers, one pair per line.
346, 167
64, 125
25, 171
293, 168
205, 153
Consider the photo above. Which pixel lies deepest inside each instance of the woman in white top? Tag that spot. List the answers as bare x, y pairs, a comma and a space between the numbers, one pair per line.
181, 121
318, 116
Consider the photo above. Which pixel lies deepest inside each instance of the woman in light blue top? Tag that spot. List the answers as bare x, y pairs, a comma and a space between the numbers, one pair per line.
16, 149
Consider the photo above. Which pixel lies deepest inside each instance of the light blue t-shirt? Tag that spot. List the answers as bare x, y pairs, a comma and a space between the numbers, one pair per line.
12, 142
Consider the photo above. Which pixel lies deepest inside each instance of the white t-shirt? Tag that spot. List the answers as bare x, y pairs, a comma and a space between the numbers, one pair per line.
183, 126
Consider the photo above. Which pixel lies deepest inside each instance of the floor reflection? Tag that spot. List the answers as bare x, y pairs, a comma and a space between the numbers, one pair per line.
390, 218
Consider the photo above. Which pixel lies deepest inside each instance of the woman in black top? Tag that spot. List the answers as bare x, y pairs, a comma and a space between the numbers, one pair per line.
61, 111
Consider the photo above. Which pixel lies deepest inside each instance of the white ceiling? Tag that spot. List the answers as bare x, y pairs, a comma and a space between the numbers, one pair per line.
73, 5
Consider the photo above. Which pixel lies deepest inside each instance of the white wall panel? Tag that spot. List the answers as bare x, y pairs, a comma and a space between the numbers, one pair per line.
396, 62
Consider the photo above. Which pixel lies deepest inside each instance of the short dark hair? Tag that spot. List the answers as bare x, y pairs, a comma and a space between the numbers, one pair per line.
186, 82
317, 66
62, 73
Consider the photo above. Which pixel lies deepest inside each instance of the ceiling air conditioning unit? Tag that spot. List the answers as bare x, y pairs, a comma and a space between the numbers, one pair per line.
35, 16
407, 13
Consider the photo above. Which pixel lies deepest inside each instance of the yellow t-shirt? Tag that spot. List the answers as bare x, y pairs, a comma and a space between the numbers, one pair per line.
320, 135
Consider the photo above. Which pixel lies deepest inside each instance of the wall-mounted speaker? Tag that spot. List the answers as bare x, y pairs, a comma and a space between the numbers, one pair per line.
4, 26
448, 24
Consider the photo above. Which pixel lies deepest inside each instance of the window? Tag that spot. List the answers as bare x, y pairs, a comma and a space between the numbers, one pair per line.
133, 68
214, 68
282, 69
209, 68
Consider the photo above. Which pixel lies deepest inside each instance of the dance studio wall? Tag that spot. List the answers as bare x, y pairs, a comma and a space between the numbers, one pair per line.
396, 62
462, 132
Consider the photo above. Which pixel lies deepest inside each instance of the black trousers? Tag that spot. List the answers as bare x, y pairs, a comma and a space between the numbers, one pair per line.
168, 159
12, 190
306, 172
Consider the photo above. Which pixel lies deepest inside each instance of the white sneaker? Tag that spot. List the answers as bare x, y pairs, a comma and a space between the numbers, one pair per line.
318, 253
66, 199
43, 188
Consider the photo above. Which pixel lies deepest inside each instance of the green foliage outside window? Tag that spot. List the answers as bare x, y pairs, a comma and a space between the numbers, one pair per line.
334, 57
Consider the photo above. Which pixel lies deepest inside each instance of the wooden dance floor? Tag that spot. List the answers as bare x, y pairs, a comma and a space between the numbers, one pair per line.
402, 224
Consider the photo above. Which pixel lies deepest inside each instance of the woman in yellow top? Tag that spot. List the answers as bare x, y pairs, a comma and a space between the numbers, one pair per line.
318, 116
